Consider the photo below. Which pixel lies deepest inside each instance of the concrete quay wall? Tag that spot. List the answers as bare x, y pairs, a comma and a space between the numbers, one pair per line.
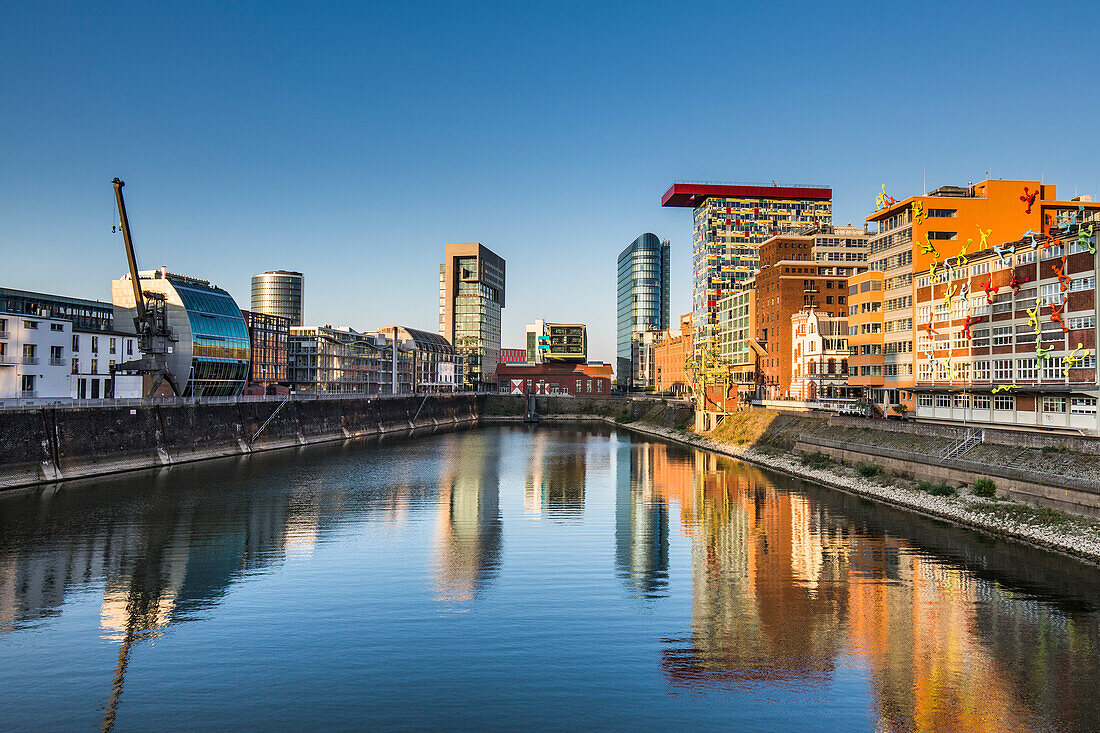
49, 444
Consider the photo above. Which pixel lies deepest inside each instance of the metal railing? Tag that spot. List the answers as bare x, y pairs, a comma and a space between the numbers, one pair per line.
71, 403
962, 445
5, 359
28, 394
56, 361
30, 359
5, 334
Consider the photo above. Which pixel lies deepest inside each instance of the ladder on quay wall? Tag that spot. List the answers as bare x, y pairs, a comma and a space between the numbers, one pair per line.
269, 419
973, 437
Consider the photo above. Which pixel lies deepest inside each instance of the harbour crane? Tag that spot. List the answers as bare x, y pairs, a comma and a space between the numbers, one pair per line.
150, 322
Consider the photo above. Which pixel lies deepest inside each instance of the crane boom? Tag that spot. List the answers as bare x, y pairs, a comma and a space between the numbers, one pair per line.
131, 258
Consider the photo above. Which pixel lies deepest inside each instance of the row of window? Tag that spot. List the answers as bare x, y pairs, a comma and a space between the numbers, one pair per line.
1056, 405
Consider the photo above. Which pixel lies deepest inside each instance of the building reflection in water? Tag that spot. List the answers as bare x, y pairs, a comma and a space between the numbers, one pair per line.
468, 533
556, 474
641, 521
786, 590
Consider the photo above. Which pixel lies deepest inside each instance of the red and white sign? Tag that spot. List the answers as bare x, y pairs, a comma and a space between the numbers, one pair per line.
517, 386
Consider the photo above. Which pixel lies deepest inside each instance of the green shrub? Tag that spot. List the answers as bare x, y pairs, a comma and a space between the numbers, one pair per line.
818, 460
868, 470
1048, 449
985, 488
936, 489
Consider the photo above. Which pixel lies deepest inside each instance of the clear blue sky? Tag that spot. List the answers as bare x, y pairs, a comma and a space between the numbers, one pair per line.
351, 141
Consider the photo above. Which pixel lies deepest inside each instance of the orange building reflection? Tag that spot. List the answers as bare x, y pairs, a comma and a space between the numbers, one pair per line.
787, 590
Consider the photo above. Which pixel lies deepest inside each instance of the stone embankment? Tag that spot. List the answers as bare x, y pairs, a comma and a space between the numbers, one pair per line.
54, 444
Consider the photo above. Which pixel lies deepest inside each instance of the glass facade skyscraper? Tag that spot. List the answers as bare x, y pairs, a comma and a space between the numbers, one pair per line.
278, 293
471, 297
642, 298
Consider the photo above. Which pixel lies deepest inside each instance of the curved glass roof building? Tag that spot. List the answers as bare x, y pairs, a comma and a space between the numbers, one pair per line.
643, 297
210, 348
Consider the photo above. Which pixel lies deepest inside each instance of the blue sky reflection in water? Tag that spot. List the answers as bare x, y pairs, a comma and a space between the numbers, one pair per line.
537, 577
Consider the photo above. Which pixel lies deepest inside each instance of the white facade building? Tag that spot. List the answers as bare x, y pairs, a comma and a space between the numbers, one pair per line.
819, 358
93, 355
34, 357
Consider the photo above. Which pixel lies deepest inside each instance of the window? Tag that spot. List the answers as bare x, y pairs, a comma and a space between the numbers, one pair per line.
981, 402
76, 343
979, 337
1025, 369
1002, 335
95, 366
57, 327
95, 344
925, 370
1025, 258
32, 325
111, 348
942, 236
943, 400
1004, 402
1080, 322
27, 384
1083, 406
129, 347
925, 400
1002, 370
1054, 404
1082, 283
942, 213
981, 268
924, 281
962, 371
76, 366
1052, 369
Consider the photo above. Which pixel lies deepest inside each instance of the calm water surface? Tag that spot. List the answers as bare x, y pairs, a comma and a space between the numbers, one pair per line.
524, 577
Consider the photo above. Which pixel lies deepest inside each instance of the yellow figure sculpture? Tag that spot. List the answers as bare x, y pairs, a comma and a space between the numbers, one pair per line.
918, 212
1073, 356
929, 248
1033, 315
947, 296
883, 201
961, 259
984, 233
1005, 388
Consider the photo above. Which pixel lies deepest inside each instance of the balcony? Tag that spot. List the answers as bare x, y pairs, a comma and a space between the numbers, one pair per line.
5, 334
6, 360
30, 360
56, 361
28, 394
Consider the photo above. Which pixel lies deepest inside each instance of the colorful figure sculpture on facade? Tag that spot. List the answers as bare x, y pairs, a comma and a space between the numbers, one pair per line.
1033, 315
984, 234
1084, 238
1017, 282
961, 259
1042, 354
929, 328
883, 201
929, 248
948, 294
970, 321
1005, 388
1056, 315
1033, 236
918, 212
1004, 251
1063, 278
1080, 353
1029, 198
990, 291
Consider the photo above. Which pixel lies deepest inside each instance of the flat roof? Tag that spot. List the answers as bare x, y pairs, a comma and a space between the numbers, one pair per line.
693, 194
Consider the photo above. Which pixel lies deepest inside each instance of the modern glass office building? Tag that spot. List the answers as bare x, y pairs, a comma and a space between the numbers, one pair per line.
643, 298
471, 296
210, 350
278, 293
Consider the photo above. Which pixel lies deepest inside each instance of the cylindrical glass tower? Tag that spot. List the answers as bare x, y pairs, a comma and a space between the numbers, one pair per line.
278, 293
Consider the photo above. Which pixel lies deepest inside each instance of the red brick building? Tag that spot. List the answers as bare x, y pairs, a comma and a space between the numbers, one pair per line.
579, 380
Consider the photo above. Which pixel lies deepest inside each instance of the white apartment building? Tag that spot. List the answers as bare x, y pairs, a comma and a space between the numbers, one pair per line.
34, 353
44, 358
93, 353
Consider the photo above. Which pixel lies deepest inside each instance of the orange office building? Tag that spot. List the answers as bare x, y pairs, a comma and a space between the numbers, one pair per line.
921, 233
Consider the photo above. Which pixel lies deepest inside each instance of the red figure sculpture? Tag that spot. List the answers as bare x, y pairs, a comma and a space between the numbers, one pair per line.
990, 291
970, 321
1029, 199
1017, 282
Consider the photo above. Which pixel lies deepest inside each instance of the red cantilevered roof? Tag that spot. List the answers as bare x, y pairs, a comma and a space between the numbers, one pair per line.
693, 194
